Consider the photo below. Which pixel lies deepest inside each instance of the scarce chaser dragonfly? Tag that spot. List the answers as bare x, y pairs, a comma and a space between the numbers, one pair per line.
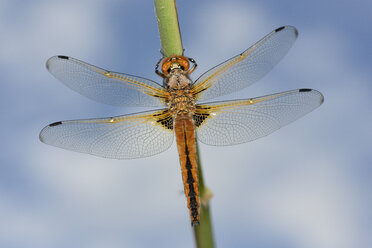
184, 112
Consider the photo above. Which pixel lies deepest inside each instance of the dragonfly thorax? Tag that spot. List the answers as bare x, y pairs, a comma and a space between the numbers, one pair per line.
181, 100
177, 79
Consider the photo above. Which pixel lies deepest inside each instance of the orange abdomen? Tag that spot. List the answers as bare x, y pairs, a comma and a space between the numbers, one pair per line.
185, 137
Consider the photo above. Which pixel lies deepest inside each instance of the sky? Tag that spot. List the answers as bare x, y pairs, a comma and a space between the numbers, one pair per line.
306, 185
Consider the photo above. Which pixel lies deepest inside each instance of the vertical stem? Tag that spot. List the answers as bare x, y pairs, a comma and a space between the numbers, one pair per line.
203, 233
169, 30
170, 36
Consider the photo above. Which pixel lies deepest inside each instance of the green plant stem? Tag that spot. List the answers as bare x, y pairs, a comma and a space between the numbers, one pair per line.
203, 233
170, 37
169, 30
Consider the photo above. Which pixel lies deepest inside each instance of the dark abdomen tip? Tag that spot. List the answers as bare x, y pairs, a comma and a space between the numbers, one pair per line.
195, 223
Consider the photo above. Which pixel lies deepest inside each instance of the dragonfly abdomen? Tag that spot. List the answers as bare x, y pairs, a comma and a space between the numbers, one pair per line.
185, 136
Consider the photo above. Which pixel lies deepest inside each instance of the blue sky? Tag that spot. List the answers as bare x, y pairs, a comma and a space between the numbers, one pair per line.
306, 185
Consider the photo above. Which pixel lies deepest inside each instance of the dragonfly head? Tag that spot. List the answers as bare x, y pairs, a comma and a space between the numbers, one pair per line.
175, 63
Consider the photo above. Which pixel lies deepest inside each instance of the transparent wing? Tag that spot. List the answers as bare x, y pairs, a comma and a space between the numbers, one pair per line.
123, 137
246, 68
240, 121
105, 86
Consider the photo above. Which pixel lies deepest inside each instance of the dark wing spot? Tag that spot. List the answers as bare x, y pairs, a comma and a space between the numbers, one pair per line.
278, 29
296, 32
304, 90
63, 57
55, 124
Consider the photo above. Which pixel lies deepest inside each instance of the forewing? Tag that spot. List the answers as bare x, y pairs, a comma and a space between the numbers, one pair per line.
240, 121
104, 86
122, 137
246, 68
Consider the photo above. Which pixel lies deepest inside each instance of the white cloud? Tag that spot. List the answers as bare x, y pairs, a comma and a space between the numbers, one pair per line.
224, 30
44, 27
33, 32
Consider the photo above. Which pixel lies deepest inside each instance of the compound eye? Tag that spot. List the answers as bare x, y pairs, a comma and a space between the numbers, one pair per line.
165, 68
183, 62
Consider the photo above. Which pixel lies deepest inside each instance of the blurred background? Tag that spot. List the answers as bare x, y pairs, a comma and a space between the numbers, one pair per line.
306, 185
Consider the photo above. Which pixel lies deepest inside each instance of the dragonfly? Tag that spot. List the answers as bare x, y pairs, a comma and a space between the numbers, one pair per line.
181, 107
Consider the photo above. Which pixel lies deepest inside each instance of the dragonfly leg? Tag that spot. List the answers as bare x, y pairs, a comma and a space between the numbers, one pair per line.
194, 65
157, 68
